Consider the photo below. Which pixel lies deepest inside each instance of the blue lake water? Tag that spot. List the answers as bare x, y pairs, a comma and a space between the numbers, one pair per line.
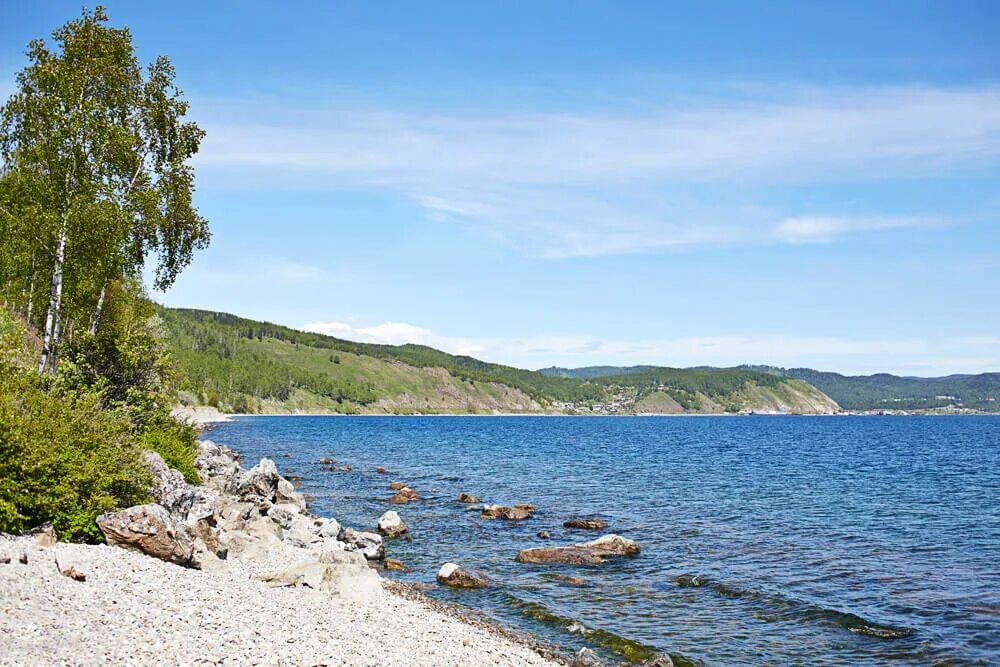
765, 540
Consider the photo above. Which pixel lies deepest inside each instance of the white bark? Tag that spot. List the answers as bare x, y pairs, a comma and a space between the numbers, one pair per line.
51, 335
100, 306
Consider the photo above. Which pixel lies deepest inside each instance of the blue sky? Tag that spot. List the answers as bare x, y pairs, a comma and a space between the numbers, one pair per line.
800, 184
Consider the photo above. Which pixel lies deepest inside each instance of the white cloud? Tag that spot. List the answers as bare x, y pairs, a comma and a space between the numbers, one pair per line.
913, 355
565, 184
826, 229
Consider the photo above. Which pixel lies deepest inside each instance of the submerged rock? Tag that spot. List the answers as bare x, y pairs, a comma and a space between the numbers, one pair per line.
456, 576
467, 498
586, 524
391, 525
516, 513
588, 553
149, 529
396, 486
396, 565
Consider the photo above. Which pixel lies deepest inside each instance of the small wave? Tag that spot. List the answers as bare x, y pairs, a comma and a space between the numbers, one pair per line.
781, 608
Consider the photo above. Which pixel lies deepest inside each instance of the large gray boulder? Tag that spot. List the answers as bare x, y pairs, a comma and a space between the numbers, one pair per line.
218, 466
169, 488
150, 529
369, 544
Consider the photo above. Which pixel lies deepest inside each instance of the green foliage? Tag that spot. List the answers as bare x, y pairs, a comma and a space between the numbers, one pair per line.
683, 383
63, 458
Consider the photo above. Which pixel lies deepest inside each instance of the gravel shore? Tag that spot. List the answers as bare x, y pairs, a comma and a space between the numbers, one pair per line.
134, 609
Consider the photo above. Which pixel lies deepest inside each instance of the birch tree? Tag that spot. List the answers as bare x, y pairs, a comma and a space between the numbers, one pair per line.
105, 145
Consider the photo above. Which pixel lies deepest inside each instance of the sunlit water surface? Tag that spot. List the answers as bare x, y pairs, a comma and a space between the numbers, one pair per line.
765, 540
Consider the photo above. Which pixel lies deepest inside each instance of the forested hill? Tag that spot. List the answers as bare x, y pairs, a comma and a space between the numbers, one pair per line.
881, 391
242, 365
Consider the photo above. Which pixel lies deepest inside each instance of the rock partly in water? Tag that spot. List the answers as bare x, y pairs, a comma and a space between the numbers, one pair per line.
150, 529
516, 513
326, 460
544, 534
588, 553
457, 576
380, 470
586, 524
467, 498
404, 495
396, 565
396, 486
585, 657
390, 524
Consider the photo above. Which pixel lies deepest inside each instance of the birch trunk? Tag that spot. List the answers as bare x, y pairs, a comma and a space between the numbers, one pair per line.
100, 306
51, 335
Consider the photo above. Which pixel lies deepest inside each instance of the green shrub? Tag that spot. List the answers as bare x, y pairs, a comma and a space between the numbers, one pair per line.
178, 445
63, 459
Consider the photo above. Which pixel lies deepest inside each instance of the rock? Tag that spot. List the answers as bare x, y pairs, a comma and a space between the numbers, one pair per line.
260, 483
285, 493
509, 513
329, 528
572, 581
217, 466
527, 507
45, 534
659, 660
326, 460
391, 525
404, 495
169, 488
456, 576
380, 470
396, 486
586, 658
467, 498
396, 565
23, 558
369, 544
588, 553
283, 515
294, 478
150, 529
341, 557
71, 570
4, 559
544, 534
345, 579
343, 468
208, 534
586, 524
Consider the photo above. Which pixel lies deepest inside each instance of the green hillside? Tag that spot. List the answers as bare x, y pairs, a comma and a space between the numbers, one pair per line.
242, 365
881, 391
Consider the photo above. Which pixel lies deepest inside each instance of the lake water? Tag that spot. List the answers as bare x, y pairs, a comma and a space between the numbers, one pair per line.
765, 540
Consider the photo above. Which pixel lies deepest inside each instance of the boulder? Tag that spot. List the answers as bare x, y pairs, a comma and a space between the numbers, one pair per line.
396, 486
588, 553
380, 470
286, 493
586, 524
150, 529
217, 466
404, 495
585, 657
456, 576
527, 507
467, 498
544, 534
169, 488
369, 544
326, 460
391, 525
329, 528
516, 513
283, 515
260, 483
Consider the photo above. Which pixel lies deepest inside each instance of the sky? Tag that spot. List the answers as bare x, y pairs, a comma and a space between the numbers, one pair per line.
578, 183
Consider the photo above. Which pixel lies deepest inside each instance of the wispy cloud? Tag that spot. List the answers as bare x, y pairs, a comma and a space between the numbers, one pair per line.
908, 355
571, 184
